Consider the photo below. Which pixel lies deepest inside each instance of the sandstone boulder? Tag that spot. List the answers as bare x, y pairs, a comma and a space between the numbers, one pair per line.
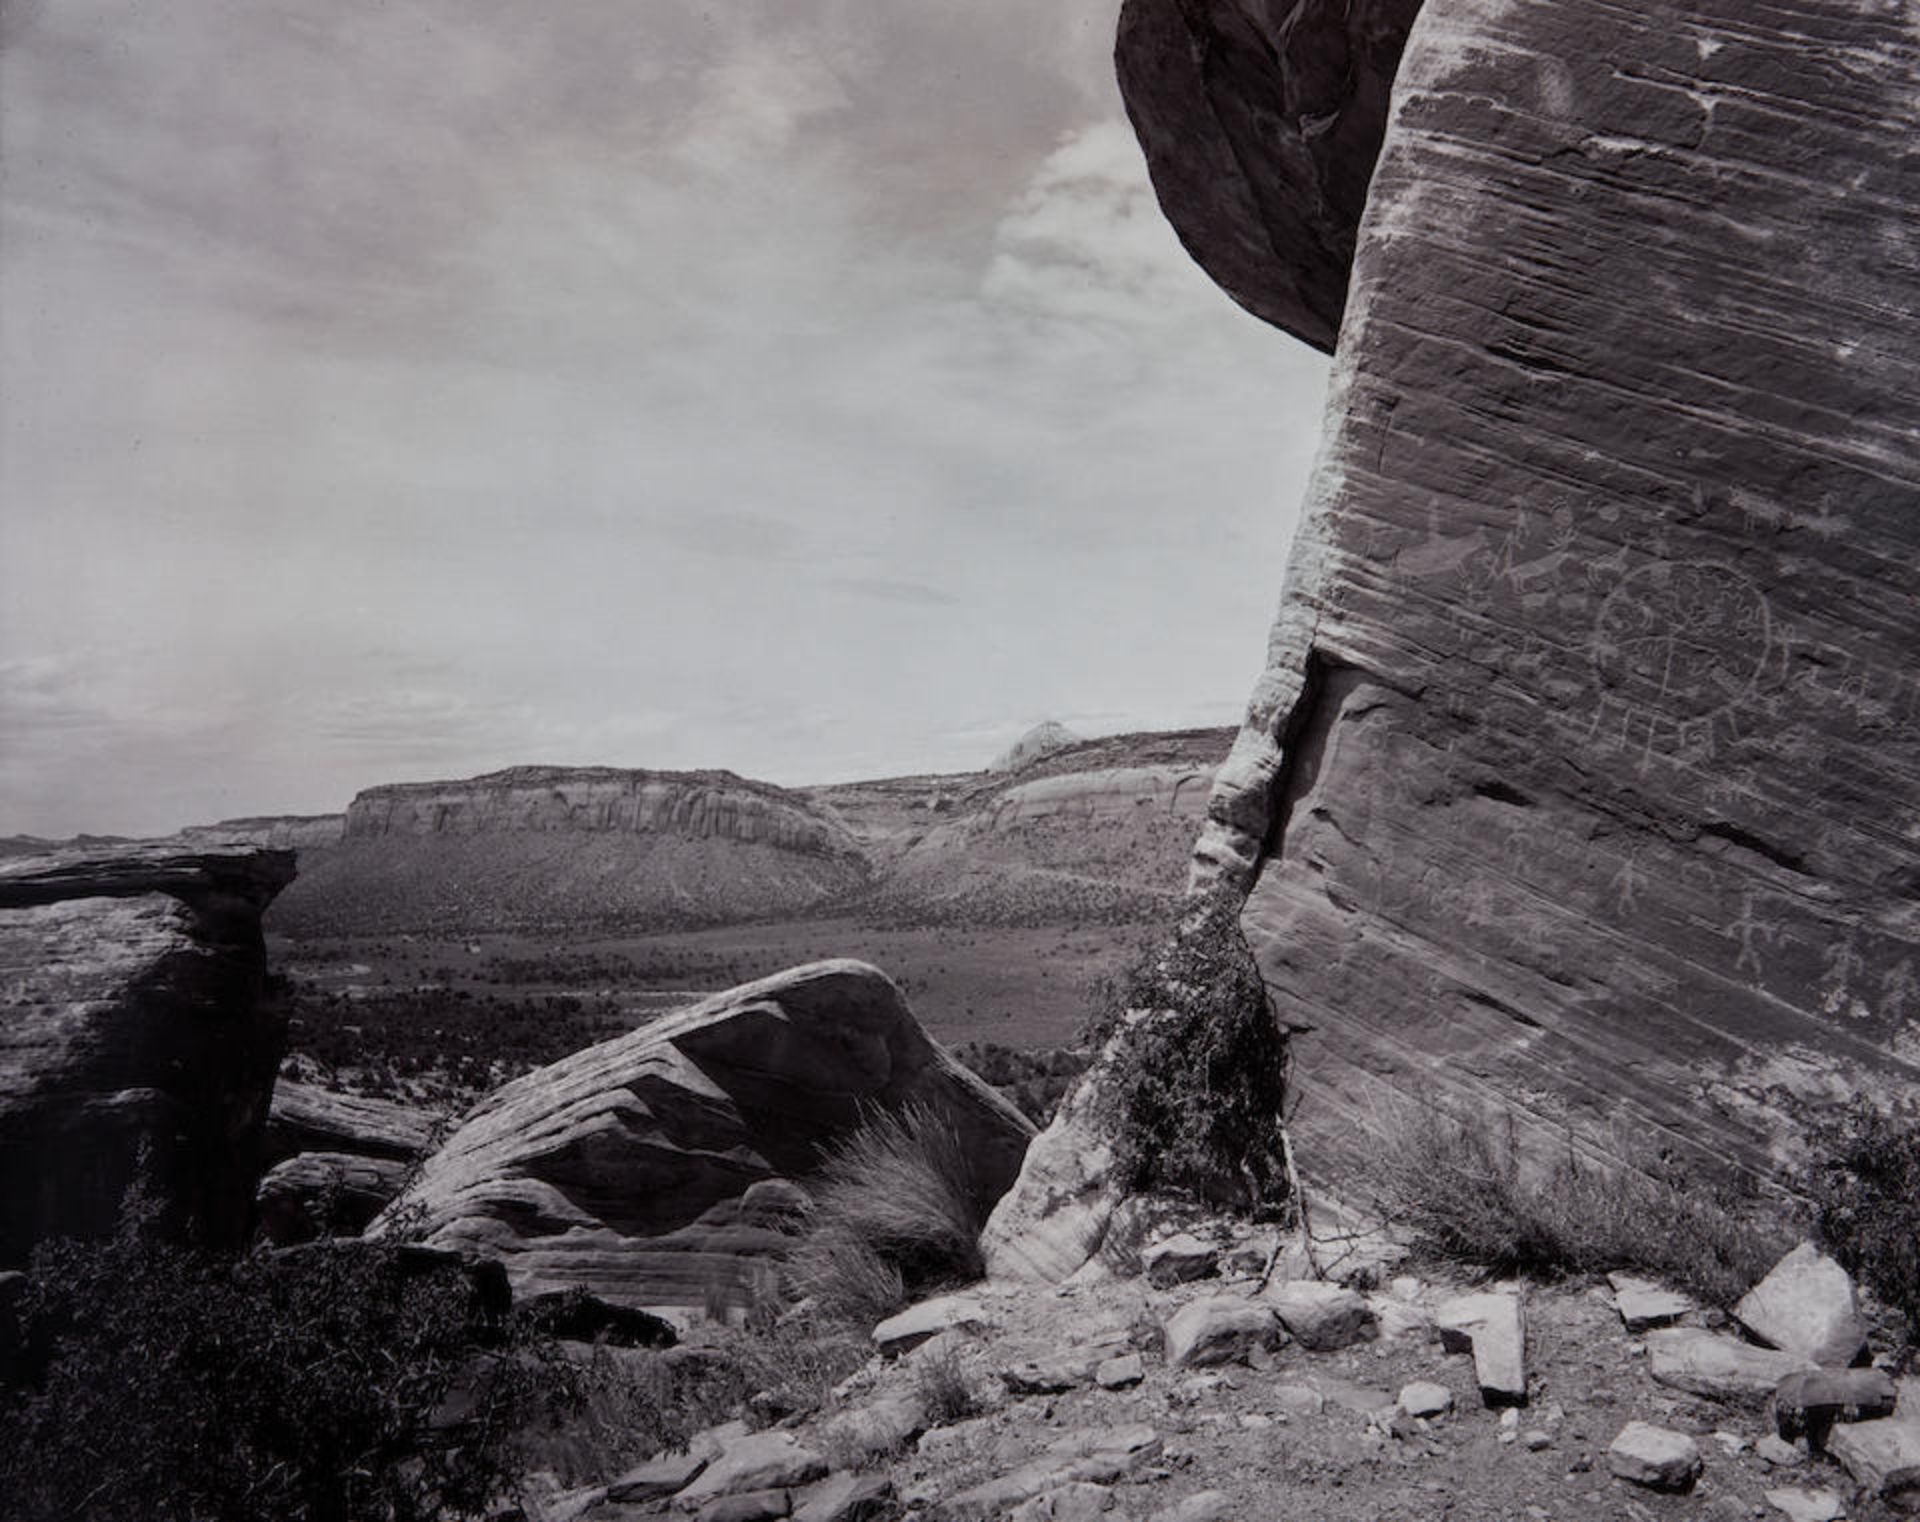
133, 1023
759, 1461
1883, 1457
1656, 1457
1594, 685
629, 1169
1323, 1316
1493, 1328
1809, 1404
307, 1118
1219, 1329
1806, 1305
1724, 1368
314, 1194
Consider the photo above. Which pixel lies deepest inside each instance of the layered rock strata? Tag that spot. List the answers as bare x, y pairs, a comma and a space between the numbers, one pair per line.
657, 1169
1584, 777
134, 1040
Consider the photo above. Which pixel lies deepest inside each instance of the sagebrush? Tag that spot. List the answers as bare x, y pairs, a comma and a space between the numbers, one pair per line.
341, 1382
1865, 1186
1463, 1187
1192, 1080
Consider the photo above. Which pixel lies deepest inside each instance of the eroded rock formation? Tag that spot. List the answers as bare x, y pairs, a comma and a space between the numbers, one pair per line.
655, 1169
1585, 772
131, 1024
537, 845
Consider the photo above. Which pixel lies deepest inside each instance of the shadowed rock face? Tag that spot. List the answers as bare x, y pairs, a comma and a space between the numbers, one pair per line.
1260, 120
1585, 774
650, 1169
130, 1017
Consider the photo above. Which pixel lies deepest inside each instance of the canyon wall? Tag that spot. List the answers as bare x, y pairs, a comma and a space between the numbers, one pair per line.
1584, 777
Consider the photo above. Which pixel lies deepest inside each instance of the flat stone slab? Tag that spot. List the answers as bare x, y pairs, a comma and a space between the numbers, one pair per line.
1076, 1501
664, 1476
1118, 1372
1883, 1457
760, 1461
747, 1506
1806, 1505
843, 1498
1723, 1368
1655, 1457
917, 1323
1179, 1260
1323, 1317
1806, 1305
1644, 1304
1493, 1327
1098, 1457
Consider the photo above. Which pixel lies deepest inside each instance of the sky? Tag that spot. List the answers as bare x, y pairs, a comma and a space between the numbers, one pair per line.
809, 388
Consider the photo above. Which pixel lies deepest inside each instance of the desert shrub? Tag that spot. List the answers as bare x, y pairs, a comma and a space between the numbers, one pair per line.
940, 1382
1193, 1076
1464, 1190
1865, 1186
341, 1382
893, 1217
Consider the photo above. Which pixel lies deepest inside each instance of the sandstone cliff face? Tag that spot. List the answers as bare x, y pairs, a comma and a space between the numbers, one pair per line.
651, 1169
1585, 773
130, 1020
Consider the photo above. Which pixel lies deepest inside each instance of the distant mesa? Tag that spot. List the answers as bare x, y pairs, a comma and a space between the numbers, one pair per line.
1041, 740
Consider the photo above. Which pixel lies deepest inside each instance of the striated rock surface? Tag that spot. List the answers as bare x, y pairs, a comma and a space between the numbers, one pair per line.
649, 1169
283, 832
316, 1194
305, 1118
1584, 774
131, 1021
564, 845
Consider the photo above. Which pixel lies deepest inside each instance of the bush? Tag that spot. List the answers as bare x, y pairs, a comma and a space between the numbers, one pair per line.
1865, 1186
1463, 1189
1192, 1081
892, 1217
340, 1382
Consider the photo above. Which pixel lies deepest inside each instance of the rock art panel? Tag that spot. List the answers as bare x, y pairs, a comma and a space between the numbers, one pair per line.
1584, 778
132, 1027
654, 1169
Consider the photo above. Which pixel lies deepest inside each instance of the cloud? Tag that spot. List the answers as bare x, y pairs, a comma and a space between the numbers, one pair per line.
753, 386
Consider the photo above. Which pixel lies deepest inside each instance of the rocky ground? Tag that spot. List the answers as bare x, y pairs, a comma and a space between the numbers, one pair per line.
1216, 1399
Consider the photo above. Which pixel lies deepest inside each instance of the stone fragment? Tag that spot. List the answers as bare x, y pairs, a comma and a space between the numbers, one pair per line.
1807, 1505
1322, 1317
1883, 1457
1245, 1259
746, 1506
1219, 1329
666, 1475
1296, 1400
1179, 1260
629, 1168
1048, 1376
1809, 1404
1201, 1506
1424, 1398
1536, 1440
1806, 1305
843, 1498
957, 1439
1397, 1318
1777, 1452
1076, 1501
1656, 1457
1491, 1326
1644, 1304
757, 1462
917, 1323
1724, 1368
1119, 1372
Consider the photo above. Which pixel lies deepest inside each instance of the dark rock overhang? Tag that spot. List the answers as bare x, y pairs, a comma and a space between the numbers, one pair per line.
1261, 121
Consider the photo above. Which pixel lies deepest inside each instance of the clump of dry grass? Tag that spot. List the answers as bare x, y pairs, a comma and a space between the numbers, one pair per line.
1462, 1188
892, 1217
940, 1382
